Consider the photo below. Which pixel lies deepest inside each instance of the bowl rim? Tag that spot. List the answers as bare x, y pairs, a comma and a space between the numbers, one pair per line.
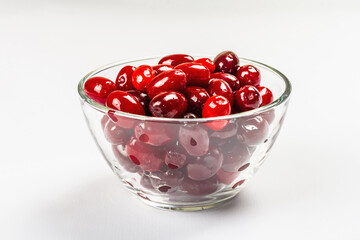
97, 106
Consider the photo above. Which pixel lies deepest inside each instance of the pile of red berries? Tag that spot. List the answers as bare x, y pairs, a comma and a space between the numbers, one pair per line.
191, 158
181, 87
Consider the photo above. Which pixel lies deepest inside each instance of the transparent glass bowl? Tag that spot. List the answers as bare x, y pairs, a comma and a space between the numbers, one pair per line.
181, 164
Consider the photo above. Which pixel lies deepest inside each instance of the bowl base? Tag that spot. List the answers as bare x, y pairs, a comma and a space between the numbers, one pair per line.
189, 207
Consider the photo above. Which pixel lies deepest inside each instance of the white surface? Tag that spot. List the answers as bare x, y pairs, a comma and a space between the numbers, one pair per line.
54, 183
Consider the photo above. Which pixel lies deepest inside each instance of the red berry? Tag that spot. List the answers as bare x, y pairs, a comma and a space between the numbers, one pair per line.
160, 68
229, 78
115, 134
123, 101
98, 88
196, 74
176, 59
194, 139
166, 181
121, 155
227, 132
226, 62
235, 156
248, 75
142, 77
221, 88
226, 177
148, 157
168, 104
266, 95
174, 80
216, 106
253, 131
121, 121
156, 134
175, 156
205, 167
207, 62
143, 98
247, 98
196, 98
124, 78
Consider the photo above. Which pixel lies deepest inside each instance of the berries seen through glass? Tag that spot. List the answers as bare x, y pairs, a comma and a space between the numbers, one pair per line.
194, 158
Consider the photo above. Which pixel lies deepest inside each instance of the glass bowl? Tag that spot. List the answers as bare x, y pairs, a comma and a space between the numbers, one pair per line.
182, 164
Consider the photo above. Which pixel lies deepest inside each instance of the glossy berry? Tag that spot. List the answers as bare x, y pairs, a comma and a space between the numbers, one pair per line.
253, 131
160, 68
175, 156
235, 156
233, 81
226, 177
124, 78
194, 139
169, 105
196, 74
149, 158
166, 181
121, 156
115, 134
202, 168
156, 134
176, 59
189, 115
247, 98
226, 62
123, 101
98, 88
221, 88
207, 62
266, 95
248, 75
216, 106
196, 98
142, 77
199, 188
143, 98
172, 80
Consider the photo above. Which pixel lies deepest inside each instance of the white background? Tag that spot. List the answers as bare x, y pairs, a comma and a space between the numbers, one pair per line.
54, 183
